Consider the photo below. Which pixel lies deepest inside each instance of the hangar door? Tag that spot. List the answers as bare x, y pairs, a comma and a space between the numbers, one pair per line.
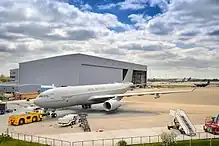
90, 74
139, 77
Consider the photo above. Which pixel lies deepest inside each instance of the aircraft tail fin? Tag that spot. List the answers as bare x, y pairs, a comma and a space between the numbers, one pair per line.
53, 86
128, 76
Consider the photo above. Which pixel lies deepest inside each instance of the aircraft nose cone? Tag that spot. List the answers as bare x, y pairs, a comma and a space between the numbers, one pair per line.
37, 102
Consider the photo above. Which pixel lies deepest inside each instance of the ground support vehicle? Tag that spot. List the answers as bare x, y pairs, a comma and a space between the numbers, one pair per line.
181, 122
211, 125
72, 119
4, 109
83, 122
68, 120
25, 118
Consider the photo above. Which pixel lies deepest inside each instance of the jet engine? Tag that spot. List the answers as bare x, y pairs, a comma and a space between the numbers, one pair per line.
111, 105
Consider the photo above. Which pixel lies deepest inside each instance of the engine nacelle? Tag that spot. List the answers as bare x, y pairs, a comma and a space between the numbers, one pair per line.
111, 105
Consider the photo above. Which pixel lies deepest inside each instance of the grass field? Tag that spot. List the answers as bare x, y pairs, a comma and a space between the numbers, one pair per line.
8, 141
206, 142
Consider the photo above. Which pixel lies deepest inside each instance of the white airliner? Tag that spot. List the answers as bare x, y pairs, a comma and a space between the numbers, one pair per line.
86, 95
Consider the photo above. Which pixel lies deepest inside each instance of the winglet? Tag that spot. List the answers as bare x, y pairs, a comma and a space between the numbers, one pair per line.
53, 86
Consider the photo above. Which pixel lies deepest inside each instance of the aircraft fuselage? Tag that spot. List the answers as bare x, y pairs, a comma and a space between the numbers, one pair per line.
78, 95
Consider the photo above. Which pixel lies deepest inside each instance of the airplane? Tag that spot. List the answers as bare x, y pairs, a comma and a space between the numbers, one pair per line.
202, 85
182, 80
86, 95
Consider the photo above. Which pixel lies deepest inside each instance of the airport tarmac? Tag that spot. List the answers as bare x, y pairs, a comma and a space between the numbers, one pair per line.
137, 112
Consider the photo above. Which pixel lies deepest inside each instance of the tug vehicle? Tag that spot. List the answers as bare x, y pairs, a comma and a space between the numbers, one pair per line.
27, 117
211, 125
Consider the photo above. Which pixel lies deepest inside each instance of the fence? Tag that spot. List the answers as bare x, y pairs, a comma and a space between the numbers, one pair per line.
38, 139
111, 141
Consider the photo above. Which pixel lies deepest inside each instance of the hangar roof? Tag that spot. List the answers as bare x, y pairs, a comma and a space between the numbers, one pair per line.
87, 56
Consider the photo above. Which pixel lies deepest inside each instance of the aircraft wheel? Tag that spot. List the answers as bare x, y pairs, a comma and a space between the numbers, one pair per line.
86, 106
34, 119
21, 121
73, 123
205, 129
53, 115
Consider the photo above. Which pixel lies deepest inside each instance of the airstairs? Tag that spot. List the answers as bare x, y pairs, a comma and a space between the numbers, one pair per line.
182, 122
83, 122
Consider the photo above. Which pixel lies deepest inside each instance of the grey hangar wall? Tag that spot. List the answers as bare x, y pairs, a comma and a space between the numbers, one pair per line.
78, 69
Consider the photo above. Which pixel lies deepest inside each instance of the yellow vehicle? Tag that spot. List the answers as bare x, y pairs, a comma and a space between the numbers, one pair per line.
28, 117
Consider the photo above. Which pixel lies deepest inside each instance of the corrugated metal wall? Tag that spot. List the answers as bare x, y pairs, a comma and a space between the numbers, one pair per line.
57, 71
66, 70
98, 75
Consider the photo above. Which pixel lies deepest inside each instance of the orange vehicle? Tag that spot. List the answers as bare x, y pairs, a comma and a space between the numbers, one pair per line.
28, 95
28, 117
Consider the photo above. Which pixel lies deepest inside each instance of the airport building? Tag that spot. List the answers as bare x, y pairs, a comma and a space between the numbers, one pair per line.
14, 75
78, 69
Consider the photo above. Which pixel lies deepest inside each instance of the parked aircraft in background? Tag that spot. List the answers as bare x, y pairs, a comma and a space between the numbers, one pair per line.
203, 85
86, 95
182, 80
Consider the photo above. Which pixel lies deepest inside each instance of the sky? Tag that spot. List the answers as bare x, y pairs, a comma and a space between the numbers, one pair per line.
175, 38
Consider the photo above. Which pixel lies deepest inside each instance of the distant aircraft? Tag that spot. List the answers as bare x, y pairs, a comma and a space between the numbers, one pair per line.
182, 80
203, 85
86, 95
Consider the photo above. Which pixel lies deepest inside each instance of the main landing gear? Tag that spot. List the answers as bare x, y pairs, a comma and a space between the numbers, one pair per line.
86, 106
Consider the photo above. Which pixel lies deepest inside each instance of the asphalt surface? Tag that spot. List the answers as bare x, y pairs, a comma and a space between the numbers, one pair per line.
95, 112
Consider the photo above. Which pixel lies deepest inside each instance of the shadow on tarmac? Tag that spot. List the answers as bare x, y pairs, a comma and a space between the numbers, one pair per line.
121, 111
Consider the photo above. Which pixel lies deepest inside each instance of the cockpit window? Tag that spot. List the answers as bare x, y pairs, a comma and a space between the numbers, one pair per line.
43, 96
46, 95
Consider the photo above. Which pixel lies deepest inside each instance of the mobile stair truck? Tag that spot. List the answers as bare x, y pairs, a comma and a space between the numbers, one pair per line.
182, 123
84, 123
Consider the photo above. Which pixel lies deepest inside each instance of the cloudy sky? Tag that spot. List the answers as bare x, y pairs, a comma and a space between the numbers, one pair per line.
175, 38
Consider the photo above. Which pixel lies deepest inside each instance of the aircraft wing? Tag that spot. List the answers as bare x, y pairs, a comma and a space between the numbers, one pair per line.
30, 102
120, 96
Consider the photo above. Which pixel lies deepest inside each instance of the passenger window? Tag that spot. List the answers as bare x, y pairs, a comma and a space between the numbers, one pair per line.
28, 117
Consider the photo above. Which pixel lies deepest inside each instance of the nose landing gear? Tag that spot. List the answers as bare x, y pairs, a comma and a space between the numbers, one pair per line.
53, 115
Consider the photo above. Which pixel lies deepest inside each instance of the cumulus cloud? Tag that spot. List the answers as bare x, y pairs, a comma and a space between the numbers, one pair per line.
136, 4
126, 5
184, 37
106, 6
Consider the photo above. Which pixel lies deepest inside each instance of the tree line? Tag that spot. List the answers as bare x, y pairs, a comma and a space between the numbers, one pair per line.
4, 78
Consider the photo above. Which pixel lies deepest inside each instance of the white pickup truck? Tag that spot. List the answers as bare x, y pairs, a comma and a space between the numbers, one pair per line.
68, 120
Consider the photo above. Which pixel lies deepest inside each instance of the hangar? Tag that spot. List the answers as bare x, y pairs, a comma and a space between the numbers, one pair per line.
78, 69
